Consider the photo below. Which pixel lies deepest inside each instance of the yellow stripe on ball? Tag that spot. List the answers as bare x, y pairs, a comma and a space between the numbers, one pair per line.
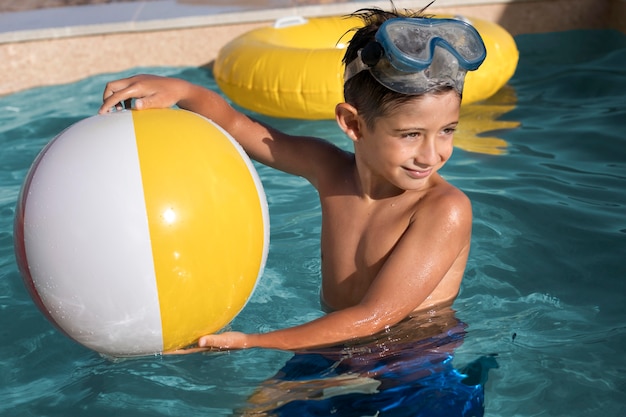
206, 222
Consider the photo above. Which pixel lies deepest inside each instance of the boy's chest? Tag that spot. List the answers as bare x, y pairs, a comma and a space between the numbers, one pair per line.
356, 241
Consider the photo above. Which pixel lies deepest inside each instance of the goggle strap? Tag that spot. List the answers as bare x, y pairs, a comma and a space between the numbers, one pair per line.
372, 53
353, 68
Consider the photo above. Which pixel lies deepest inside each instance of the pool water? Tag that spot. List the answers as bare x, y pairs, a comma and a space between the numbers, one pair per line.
544, 298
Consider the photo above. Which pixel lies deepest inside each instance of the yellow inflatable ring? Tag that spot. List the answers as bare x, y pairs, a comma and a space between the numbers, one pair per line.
293, 69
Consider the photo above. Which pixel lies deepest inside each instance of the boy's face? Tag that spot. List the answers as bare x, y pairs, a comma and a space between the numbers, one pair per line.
413, 141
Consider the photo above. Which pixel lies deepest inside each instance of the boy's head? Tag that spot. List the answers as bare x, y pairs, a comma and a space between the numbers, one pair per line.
398, 57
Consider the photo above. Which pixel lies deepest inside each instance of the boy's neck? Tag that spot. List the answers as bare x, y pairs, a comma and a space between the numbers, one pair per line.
373, 188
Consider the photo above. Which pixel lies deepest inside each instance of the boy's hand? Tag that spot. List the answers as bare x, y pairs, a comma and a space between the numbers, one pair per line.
214, 342
149, 91
226, 340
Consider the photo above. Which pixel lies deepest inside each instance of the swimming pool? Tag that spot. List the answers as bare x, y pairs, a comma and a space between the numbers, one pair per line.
545, 286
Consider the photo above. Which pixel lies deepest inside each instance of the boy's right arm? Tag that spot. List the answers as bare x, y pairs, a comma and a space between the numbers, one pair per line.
304, 156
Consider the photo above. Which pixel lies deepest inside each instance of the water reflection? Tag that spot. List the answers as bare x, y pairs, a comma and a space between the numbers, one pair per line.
480, 123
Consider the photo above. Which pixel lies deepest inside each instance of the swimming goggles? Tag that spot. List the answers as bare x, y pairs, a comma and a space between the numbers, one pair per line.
414, 55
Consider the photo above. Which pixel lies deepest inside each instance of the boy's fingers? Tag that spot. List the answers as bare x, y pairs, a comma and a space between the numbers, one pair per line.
186, 351
118, 94
119, 99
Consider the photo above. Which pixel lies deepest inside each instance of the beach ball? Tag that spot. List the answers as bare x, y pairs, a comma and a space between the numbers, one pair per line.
137, 232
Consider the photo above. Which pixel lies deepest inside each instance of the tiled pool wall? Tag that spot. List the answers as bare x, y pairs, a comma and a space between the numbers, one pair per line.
47, 49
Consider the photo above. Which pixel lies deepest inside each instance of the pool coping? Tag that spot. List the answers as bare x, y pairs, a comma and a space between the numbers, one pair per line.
40, 56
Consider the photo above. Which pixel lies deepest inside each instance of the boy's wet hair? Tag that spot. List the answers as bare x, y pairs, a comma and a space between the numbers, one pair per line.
368, 96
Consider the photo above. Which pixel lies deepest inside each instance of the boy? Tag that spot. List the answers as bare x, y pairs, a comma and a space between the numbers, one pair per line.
395, 235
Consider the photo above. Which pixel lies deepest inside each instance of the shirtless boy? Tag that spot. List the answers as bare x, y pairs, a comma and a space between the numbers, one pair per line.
395, 235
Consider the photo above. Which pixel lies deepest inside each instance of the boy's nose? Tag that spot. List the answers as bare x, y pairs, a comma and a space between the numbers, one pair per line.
427, 153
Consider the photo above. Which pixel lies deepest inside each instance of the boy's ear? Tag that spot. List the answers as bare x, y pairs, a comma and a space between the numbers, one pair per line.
348, 120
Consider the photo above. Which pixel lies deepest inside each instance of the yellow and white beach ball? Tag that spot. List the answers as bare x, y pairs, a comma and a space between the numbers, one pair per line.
137, 232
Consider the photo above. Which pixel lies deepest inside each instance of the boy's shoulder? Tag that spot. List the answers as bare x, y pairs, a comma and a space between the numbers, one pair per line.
444, 200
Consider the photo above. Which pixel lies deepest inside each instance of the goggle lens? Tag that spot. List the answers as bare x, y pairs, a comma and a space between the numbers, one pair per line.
410, 43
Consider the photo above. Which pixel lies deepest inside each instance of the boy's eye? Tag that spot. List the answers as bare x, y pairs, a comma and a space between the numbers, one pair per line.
411, 135
449, 131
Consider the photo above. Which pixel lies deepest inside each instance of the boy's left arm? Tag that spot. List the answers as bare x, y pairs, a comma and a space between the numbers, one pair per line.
437, 237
